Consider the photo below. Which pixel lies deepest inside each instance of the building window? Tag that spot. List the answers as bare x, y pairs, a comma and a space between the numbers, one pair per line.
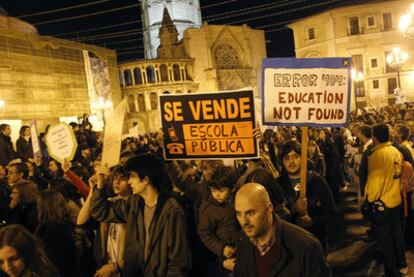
176, 72
150, 74
164, 73
388, 68
137, 76
392, 85
131, 103
353, 25
387, 21
226, 56
359, 89
141, 103
154, 100
357, 63
311, 33
128, 77
374, 63
371, 21
375, 84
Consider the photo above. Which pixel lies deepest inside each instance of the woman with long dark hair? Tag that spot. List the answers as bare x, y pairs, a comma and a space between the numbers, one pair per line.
21, 254
56, 231
24, 144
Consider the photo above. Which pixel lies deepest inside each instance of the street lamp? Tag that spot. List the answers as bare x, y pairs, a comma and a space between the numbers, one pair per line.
357, 77
405, 23
102, 105
396, 59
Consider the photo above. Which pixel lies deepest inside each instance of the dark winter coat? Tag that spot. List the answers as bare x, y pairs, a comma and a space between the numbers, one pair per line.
6, 150
169, 251
217, 225
60, 247
321, 205
24, 149
299, 254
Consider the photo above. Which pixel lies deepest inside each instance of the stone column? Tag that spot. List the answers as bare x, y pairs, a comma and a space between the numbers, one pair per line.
136, 103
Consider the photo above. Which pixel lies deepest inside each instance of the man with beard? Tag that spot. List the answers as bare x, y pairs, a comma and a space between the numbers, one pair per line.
318, 210
271, 246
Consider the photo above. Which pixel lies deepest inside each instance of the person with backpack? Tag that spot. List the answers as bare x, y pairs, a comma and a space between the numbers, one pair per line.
383, 200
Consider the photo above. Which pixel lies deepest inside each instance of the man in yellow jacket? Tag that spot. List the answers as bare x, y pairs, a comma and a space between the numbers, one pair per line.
383, 183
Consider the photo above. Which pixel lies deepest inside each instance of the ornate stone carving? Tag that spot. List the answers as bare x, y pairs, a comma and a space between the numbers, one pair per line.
226, 56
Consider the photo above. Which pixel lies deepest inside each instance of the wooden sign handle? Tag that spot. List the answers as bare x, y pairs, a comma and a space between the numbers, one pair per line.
304, 162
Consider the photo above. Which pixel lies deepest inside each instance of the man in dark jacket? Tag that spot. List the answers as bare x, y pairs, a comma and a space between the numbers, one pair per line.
156, 236
271, 246
6, 147
319, 206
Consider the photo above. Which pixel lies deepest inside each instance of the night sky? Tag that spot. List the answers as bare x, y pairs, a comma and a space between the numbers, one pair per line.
116, 24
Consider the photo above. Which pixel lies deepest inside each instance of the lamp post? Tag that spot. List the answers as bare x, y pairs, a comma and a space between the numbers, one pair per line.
406, 23
396, 59
102, 105
357, 77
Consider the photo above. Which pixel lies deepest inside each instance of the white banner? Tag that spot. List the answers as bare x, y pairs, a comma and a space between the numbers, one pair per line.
113, 134
35, 139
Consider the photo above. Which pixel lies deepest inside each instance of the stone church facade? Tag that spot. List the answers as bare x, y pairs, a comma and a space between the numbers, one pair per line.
208, 59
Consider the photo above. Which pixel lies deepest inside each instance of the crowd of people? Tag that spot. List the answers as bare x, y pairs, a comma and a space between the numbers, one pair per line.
151, 217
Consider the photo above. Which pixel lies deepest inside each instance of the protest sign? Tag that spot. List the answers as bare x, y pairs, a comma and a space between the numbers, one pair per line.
35, 139
61, 142
209, 125
306, 92
113, 135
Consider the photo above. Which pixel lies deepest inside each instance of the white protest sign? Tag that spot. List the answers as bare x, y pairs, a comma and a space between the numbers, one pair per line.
113, 135
35, 139
306, 92
61, 142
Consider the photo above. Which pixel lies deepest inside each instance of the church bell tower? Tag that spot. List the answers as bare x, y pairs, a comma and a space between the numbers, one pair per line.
184, 14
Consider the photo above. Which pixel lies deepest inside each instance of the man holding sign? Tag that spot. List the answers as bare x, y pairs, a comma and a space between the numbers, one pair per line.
318, 209
306, 93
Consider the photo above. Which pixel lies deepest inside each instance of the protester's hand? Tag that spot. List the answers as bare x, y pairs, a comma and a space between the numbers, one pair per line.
37, 160
66, 165
93, 181
257, 133
105, 271
228, 251
160, 139
301, 206
305, 221
229, 264
101, 174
